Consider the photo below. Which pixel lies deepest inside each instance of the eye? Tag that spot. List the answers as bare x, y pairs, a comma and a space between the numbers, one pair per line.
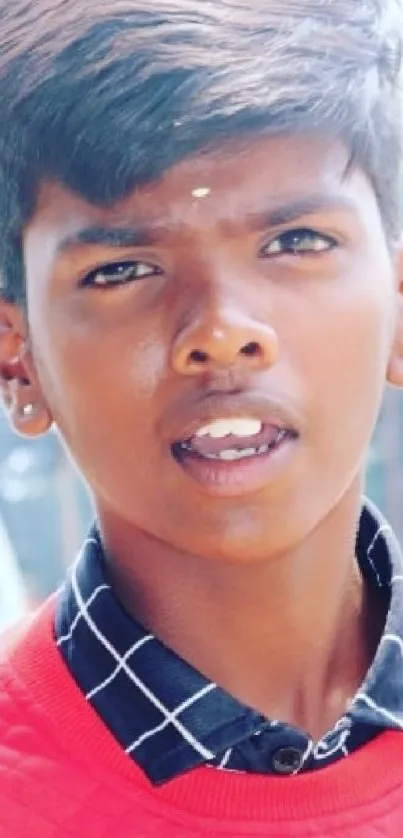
118, 273
295, 242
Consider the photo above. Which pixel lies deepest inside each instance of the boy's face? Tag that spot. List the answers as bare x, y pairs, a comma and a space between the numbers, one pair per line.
254, 283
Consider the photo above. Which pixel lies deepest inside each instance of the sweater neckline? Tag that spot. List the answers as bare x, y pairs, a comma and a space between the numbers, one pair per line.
44, 682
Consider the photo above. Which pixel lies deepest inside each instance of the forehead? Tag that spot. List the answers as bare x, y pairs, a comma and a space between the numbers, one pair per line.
225, 184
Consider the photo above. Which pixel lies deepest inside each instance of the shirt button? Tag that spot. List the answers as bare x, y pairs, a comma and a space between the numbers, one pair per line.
287, 761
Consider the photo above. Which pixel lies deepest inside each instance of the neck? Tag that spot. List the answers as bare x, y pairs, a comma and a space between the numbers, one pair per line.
289, 636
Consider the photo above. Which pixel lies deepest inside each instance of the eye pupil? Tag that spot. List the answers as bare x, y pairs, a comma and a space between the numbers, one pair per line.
295, 240
120, 273
303, 241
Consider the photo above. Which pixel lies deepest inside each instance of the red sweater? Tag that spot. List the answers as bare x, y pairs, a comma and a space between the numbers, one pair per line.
62, 775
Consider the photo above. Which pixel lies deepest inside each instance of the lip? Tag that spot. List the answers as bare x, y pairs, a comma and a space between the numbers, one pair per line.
222, 478
184, 423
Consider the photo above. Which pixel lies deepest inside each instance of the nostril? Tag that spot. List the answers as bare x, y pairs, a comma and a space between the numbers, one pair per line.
251, 350
198, 357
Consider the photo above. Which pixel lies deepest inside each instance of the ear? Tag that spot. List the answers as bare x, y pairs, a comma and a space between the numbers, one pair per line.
395, 366
19, 385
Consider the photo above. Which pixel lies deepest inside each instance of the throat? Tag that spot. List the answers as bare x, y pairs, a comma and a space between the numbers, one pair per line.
292, 635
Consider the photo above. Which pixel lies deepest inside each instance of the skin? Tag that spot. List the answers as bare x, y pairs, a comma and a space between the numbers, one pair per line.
259, 589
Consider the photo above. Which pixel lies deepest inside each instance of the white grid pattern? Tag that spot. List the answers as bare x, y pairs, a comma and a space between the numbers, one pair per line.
169, 717
334, 745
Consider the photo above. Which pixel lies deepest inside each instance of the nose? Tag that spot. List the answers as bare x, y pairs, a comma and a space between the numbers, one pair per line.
230, 340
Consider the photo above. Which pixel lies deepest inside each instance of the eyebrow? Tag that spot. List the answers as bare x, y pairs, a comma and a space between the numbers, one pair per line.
300, 207
106, 236
119, 237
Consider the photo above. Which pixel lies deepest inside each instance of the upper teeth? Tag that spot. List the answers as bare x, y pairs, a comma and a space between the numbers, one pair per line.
231, 427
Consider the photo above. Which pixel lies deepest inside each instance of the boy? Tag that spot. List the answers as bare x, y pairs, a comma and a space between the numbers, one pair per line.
202, 289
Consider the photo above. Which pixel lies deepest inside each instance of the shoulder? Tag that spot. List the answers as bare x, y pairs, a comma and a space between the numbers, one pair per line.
14, 700
24, 729
34, 770
56, 756
19, 724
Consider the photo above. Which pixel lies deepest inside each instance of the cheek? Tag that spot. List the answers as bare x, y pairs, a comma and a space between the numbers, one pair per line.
351, 343
100, 384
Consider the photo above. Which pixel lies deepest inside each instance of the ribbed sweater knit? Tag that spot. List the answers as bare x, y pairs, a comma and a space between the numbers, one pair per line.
62, 774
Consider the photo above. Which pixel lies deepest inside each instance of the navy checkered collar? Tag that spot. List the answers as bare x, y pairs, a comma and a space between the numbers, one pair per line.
169, 718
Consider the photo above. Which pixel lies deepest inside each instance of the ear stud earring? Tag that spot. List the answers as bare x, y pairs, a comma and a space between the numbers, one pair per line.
28, 410
201, 192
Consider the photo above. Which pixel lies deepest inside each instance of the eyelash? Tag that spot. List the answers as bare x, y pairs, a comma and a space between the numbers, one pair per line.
125, 270
122, 270
291, 237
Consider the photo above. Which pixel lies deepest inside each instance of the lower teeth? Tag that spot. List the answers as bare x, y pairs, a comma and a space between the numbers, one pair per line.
232, 454
236, 454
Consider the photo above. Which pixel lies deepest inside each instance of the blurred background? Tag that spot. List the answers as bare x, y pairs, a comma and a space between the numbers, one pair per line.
45, 510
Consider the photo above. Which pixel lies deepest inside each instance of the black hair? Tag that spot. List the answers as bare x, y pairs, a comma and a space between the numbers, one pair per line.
105, 95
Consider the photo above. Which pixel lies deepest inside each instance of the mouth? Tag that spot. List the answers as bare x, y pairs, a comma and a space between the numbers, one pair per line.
233, 456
